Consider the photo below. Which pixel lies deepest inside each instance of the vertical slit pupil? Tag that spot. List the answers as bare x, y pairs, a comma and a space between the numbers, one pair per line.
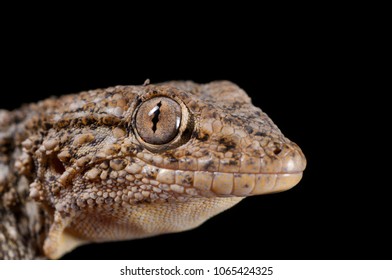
155, 118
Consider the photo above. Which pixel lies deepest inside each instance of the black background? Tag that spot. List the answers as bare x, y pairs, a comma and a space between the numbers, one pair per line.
297, 75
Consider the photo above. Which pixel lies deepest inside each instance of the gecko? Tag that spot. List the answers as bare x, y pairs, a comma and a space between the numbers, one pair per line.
130, 162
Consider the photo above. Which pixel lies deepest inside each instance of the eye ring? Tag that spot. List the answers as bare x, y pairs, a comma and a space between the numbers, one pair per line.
162, 123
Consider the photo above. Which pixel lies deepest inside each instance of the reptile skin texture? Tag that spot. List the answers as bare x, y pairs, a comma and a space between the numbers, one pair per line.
129, 162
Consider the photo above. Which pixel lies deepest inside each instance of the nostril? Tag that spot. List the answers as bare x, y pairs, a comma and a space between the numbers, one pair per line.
277, 151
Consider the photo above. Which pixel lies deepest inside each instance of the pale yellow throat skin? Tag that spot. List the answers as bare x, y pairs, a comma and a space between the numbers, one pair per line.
140, 221
129, 162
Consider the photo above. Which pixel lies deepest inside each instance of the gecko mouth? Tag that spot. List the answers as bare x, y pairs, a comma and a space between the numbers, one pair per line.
275, 176
240, 184
230, 184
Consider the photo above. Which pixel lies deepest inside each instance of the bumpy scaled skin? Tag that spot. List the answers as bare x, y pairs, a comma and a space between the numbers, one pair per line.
133, 161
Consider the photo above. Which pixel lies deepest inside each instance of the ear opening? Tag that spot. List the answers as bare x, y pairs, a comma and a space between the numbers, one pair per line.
56, 165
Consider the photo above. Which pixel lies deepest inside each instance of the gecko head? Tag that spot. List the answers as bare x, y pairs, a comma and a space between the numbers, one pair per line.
160, 142
178, 141
131, 161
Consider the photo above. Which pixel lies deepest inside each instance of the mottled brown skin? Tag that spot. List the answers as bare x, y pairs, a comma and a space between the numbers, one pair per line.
133, 161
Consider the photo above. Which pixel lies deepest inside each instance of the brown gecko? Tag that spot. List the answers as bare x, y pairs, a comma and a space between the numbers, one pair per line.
129, 162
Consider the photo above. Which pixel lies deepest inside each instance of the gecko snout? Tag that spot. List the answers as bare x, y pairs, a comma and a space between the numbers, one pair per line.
280, 172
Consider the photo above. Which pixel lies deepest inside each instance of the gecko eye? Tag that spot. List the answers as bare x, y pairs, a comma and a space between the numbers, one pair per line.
158, 120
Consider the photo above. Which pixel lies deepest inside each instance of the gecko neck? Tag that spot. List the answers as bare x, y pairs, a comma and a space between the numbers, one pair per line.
23, 223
